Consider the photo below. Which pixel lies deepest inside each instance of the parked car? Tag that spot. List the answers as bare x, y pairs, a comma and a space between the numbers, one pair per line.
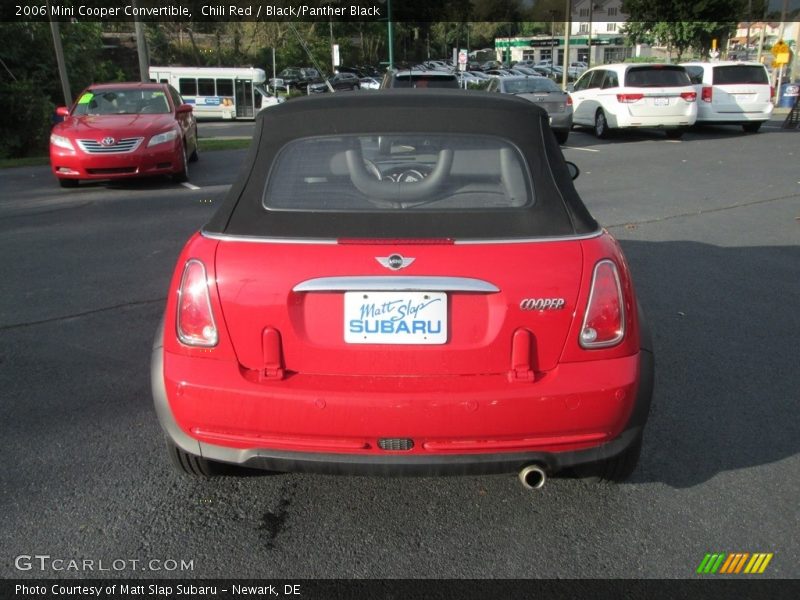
419, 291
419, 79
369, 83
122, 130
622, 96
498, 73
340, 82
295, 78
527, 71
542, 92
731, 93
469, 79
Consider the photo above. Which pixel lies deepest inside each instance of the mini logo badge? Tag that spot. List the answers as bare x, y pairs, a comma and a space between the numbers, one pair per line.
395, 262
108, 141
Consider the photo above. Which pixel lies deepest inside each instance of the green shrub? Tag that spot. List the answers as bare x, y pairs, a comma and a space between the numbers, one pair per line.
26, 130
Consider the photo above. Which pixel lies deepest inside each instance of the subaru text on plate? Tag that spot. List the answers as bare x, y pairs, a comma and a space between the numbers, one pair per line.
404, 282
122, 130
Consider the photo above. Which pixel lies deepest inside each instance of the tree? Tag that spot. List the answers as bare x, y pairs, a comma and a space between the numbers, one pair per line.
682, 24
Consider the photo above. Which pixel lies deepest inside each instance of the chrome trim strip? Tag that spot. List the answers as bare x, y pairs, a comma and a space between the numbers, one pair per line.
123, 146
396, 284
225, 237
538, 240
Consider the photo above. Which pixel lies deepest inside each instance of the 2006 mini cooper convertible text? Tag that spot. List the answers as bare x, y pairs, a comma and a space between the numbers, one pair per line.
404, 282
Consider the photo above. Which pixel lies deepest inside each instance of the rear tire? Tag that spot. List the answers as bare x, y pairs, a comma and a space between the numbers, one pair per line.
751, 127
190, 464
561, 136
68, 183
613, 470
601, 125
675, 134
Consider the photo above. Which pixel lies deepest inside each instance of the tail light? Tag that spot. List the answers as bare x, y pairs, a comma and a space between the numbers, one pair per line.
628, 98
569, 100
195, 320
772, 91
604, 322
706, 94
689, 96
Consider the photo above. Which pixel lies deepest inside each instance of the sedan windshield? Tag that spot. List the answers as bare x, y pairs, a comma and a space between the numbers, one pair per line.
122, 102
531, 85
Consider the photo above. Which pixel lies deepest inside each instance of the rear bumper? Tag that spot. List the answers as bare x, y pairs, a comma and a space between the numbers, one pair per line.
255, 428
756, 115
665, 122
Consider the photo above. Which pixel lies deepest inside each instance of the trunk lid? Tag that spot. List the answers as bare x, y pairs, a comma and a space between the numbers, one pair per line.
280, 286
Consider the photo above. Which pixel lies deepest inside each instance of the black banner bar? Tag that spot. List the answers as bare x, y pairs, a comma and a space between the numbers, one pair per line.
419, 11
401, 589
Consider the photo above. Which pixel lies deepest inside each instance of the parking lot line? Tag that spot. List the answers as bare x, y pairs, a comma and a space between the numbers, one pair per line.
190, 186
584, 149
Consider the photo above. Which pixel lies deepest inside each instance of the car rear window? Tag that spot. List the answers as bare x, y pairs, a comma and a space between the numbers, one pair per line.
740, 74
534, 84
657, 76
425, 81
398, 172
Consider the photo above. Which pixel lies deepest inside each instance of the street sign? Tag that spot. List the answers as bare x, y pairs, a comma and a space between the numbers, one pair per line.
462, 57
780, 48
781, 53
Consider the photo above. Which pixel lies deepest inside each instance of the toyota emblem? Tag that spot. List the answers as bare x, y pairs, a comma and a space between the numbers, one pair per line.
108, 141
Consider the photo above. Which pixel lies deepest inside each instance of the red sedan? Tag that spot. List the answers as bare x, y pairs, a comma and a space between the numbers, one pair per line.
404, 282
121, 130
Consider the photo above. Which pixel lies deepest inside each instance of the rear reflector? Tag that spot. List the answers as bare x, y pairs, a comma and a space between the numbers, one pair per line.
689, 96
706, 94
604, 323
195, 319
628, 98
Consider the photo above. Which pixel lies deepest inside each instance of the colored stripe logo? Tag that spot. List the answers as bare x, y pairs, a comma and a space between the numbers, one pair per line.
734, 563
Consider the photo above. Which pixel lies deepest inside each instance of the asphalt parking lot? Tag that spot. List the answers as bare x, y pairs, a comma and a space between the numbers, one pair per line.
711, 228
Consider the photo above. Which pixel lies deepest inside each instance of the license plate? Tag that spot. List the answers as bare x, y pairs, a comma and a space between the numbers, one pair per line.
660, 101
742, 97
395, 317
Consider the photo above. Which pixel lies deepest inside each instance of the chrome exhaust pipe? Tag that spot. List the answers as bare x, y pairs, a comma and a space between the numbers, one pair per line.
532, 477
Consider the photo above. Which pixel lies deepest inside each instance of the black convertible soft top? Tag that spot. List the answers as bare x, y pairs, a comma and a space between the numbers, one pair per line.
557, 210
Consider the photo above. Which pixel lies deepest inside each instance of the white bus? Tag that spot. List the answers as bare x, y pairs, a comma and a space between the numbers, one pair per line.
218, 92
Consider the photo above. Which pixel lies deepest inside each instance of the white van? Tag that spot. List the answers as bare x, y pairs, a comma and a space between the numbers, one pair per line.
635, 95
731, 93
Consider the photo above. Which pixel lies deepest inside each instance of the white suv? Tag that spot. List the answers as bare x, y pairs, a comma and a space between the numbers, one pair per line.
732, 93
635, 95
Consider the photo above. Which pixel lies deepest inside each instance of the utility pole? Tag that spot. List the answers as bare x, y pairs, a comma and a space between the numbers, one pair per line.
390, 33
749, 18
62, 66
141, 49
567, 30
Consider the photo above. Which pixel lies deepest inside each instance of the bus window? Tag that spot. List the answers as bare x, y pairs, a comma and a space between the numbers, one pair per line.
205, 87
224, 87
187, 87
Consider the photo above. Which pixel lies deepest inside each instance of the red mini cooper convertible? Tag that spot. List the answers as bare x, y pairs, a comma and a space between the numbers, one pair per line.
404, 282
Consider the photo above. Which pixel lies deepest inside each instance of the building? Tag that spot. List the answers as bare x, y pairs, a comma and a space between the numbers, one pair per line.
596, 33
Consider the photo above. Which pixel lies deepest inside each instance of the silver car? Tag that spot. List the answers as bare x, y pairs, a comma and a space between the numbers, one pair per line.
542, 92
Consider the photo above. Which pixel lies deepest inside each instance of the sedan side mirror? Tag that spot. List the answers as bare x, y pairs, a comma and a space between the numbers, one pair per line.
62, 111
573, 169
184, 108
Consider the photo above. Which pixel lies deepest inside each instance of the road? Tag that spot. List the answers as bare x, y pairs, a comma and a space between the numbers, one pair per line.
710, 226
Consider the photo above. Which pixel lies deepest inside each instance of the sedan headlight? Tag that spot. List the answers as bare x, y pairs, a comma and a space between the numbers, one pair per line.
162, 138
61, 142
